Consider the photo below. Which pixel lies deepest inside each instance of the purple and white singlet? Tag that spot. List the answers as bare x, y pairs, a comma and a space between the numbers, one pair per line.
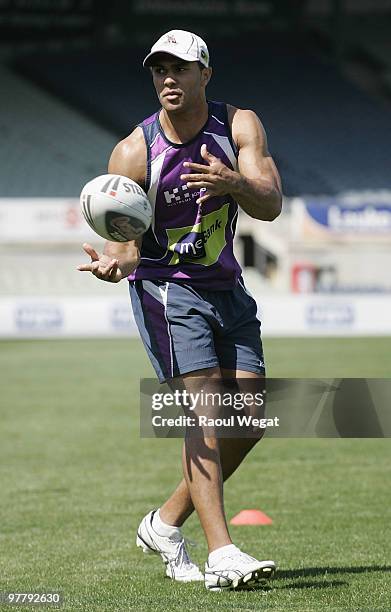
188, 242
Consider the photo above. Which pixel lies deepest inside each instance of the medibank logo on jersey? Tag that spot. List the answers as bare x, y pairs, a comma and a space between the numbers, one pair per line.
202, 242
192, 245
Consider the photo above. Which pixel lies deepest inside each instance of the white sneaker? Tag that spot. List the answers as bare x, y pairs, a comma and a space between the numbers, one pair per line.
238, 571
172, 549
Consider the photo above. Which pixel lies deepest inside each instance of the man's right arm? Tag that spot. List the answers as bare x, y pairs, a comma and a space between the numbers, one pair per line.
119, 259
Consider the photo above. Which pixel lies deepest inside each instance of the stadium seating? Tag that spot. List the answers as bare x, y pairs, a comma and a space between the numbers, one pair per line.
48, 149
326, 135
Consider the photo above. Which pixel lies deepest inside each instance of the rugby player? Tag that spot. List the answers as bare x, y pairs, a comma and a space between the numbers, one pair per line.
198, 161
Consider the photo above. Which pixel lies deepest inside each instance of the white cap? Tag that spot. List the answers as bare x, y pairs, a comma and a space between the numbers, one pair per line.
185, 45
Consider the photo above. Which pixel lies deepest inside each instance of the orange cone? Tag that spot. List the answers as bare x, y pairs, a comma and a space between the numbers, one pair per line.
251, 517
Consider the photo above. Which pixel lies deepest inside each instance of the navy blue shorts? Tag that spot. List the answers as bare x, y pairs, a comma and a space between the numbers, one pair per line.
184, 329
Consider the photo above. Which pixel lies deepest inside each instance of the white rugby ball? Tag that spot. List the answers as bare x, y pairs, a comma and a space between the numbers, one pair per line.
116, 207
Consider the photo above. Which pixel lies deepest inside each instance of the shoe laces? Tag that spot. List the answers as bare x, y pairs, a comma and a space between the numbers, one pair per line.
181, 556
238, 556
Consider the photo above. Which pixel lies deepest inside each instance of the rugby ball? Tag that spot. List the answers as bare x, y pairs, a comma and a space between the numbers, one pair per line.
116, 207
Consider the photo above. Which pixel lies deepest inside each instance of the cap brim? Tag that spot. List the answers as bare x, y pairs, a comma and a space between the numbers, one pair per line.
183, 56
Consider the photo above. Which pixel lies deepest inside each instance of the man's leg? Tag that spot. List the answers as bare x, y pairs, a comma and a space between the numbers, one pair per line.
202, 466
212, 461
179, 505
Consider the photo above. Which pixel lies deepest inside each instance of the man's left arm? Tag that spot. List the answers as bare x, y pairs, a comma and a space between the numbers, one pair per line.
256, 186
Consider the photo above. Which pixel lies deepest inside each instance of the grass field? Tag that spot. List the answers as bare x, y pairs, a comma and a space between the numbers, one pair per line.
76, 479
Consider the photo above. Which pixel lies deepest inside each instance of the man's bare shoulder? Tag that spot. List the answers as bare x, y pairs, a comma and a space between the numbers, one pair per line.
129, 157
241, 115
244, 123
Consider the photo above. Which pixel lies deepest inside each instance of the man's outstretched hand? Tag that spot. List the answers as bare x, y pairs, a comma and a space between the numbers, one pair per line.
102, 266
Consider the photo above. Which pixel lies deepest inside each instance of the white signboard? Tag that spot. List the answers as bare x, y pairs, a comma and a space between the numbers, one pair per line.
285, 315
46, 220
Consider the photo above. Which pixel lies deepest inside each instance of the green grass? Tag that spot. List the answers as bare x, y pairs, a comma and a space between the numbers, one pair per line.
76, 478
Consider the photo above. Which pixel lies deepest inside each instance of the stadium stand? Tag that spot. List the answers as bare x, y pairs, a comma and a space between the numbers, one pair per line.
327, 135
48, 149
62, 113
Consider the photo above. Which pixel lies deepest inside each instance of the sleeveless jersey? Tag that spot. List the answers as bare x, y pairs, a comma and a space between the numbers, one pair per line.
187, 242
